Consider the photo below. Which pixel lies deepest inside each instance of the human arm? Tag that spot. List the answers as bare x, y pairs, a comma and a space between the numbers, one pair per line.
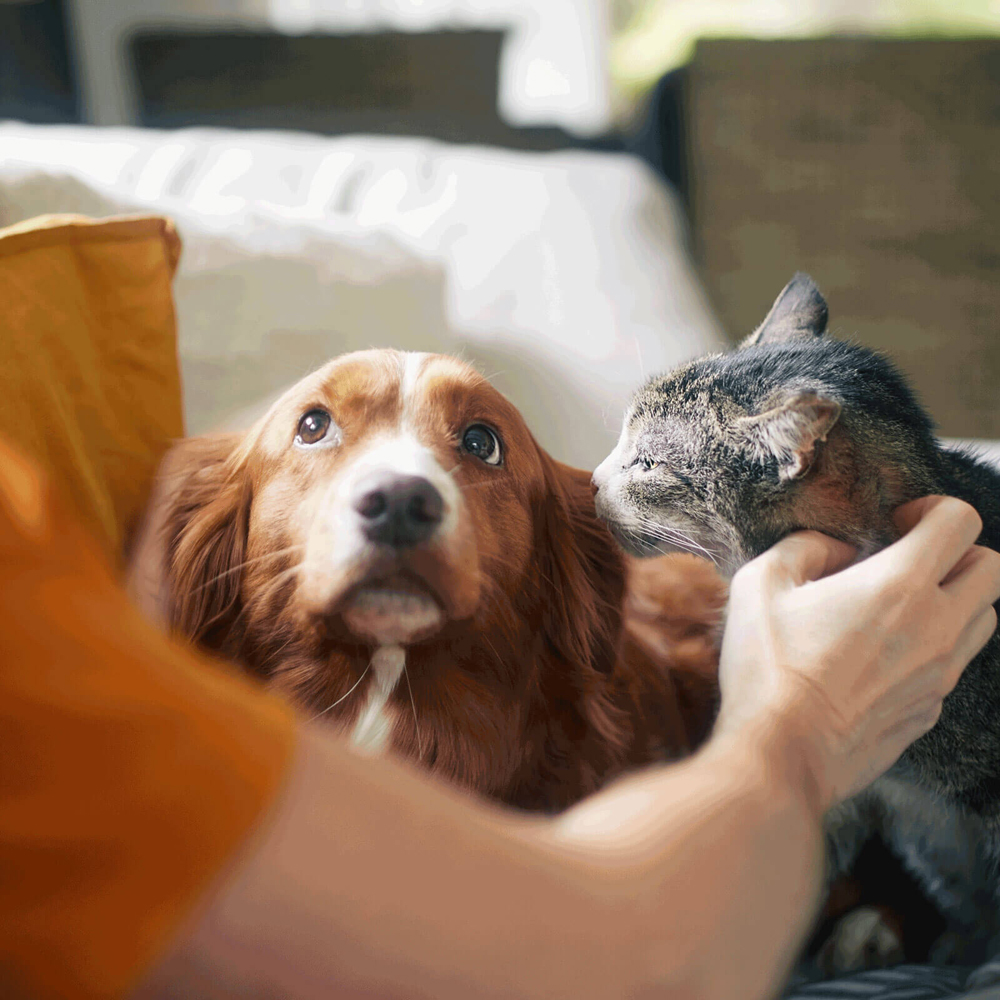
373, 880
696, 880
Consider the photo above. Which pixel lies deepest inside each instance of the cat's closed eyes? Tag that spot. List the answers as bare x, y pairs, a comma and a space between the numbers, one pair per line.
793, 429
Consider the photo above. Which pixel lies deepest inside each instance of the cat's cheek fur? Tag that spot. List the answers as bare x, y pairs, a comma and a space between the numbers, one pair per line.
607, 510
613, 503
848, 498
647, 530
624, 521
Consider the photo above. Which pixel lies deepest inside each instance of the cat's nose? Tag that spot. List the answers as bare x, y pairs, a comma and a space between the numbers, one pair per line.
602, 473
602, 507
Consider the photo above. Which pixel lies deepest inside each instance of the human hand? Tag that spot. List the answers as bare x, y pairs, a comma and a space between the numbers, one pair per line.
846, 670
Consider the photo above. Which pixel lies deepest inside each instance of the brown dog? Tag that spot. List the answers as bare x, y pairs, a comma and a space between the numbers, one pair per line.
391, 549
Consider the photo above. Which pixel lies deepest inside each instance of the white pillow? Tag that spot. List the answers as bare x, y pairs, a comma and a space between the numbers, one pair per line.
563, 276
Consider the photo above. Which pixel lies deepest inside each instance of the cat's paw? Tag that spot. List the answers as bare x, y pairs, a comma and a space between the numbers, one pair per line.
860, 940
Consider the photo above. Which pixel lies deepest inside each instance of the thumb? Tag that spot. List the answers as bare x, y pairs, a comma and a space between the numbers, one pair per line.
809, 555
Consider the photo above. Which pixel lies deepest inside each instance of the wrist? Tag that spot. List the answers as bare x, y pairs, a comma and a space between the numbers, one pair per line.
780, 751
678, 855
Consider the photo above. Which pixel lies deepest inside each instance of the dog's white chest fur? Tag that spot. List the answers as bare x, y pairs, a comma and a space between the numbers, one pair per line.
374, 725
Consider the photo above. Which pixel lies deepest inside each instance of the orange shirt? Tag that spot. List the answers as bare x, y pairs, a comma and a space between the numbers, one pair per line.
130, 769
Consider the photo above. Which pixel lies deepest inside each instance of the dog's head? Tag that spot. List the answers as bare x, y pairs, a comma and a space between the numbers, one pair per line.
387, 500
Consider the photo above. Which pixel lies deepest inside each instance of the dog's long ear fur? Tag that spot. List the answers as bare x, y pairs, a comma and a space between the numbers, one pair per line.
582, 571
185, 566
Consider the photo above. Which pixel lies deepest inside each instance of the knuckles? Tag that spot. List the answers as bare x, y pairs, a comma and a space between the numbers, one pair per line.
746, 578
929, 719
902, 587
965, 514
960, 513
990, 560
753, 581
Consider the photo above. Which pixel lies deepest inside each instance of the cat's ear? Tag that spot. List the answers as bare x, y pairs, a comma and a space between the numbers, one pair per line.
791, 431
798, 313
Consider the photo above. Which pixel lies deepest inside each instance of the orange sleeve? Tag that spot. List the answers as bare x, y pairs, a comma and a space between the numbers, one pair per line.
130, 768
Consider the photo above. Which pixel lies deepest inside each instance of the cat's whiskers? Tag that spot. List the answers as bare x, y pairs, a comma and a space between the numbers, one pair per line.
665, 533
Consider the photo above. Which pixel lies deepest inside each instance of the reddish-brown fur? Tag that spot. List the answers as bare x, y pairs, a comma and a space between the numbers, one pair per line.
545, 680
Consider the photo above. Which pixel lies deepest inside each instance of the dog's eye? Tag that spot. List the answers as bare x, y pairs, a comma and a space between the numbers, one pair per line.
313, 427
483, 443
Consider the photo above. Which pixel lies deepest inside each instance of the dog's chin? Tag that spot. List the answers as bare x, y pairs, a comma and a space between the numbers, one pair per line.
396, 611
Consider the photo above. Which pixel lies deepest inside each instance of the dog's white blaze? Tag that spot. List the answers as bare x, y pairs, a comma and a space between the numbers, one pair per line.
374, 726
395, 452
401, 453
412, 363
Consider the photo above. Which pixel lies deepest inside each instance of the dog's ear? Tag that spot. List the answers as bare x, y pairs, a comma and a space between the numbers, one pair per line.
185, 567
582, 571
790, 432
799, 313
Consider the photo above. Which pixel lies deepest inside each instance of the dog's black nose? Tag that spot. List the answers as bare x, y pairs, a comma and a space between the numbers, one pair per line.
398, 510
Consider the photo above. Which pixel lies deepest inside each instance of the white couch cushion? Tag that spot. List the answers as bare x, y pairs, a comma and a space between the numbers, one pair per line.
564, 276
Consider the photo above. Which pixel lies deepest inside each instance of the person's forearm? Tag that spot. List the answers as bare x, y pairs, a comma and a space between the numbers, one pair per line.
715, 865
371, 880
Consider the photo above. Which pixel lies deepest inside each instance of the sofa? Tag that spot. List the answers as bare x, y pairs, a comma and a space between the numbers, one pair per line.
566, 277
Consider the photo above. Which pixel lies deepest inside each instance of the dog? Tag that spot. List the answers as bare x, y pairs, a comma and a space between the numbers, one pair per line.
389, 548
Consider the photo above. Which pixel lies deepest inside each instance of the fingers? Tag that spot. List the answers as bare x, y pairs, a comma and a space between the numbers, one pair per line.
973, 637
974, 583
810, 555
908, 515
937, 681
938, 531
960, 567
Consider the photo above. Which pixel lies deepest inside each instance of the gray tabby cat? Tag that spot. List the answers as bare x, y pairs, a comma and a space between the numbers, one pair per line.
794, 430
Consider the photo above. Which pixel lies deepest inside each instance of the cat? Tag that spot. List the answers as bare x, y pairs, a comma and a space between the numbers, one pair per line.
791, 430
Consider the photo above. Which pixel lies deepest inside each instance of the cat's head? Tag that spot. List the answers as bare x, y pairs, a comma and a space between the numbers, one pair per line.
727, 454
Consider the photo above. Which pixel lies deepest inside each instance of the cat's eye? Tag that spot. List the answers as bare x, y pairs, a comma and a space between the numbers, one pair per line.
646, 463
483, 443
315, 427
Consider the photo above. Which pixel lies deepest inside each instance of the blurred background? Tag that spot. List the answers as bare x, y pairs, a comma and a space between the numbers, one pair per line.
573, 192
